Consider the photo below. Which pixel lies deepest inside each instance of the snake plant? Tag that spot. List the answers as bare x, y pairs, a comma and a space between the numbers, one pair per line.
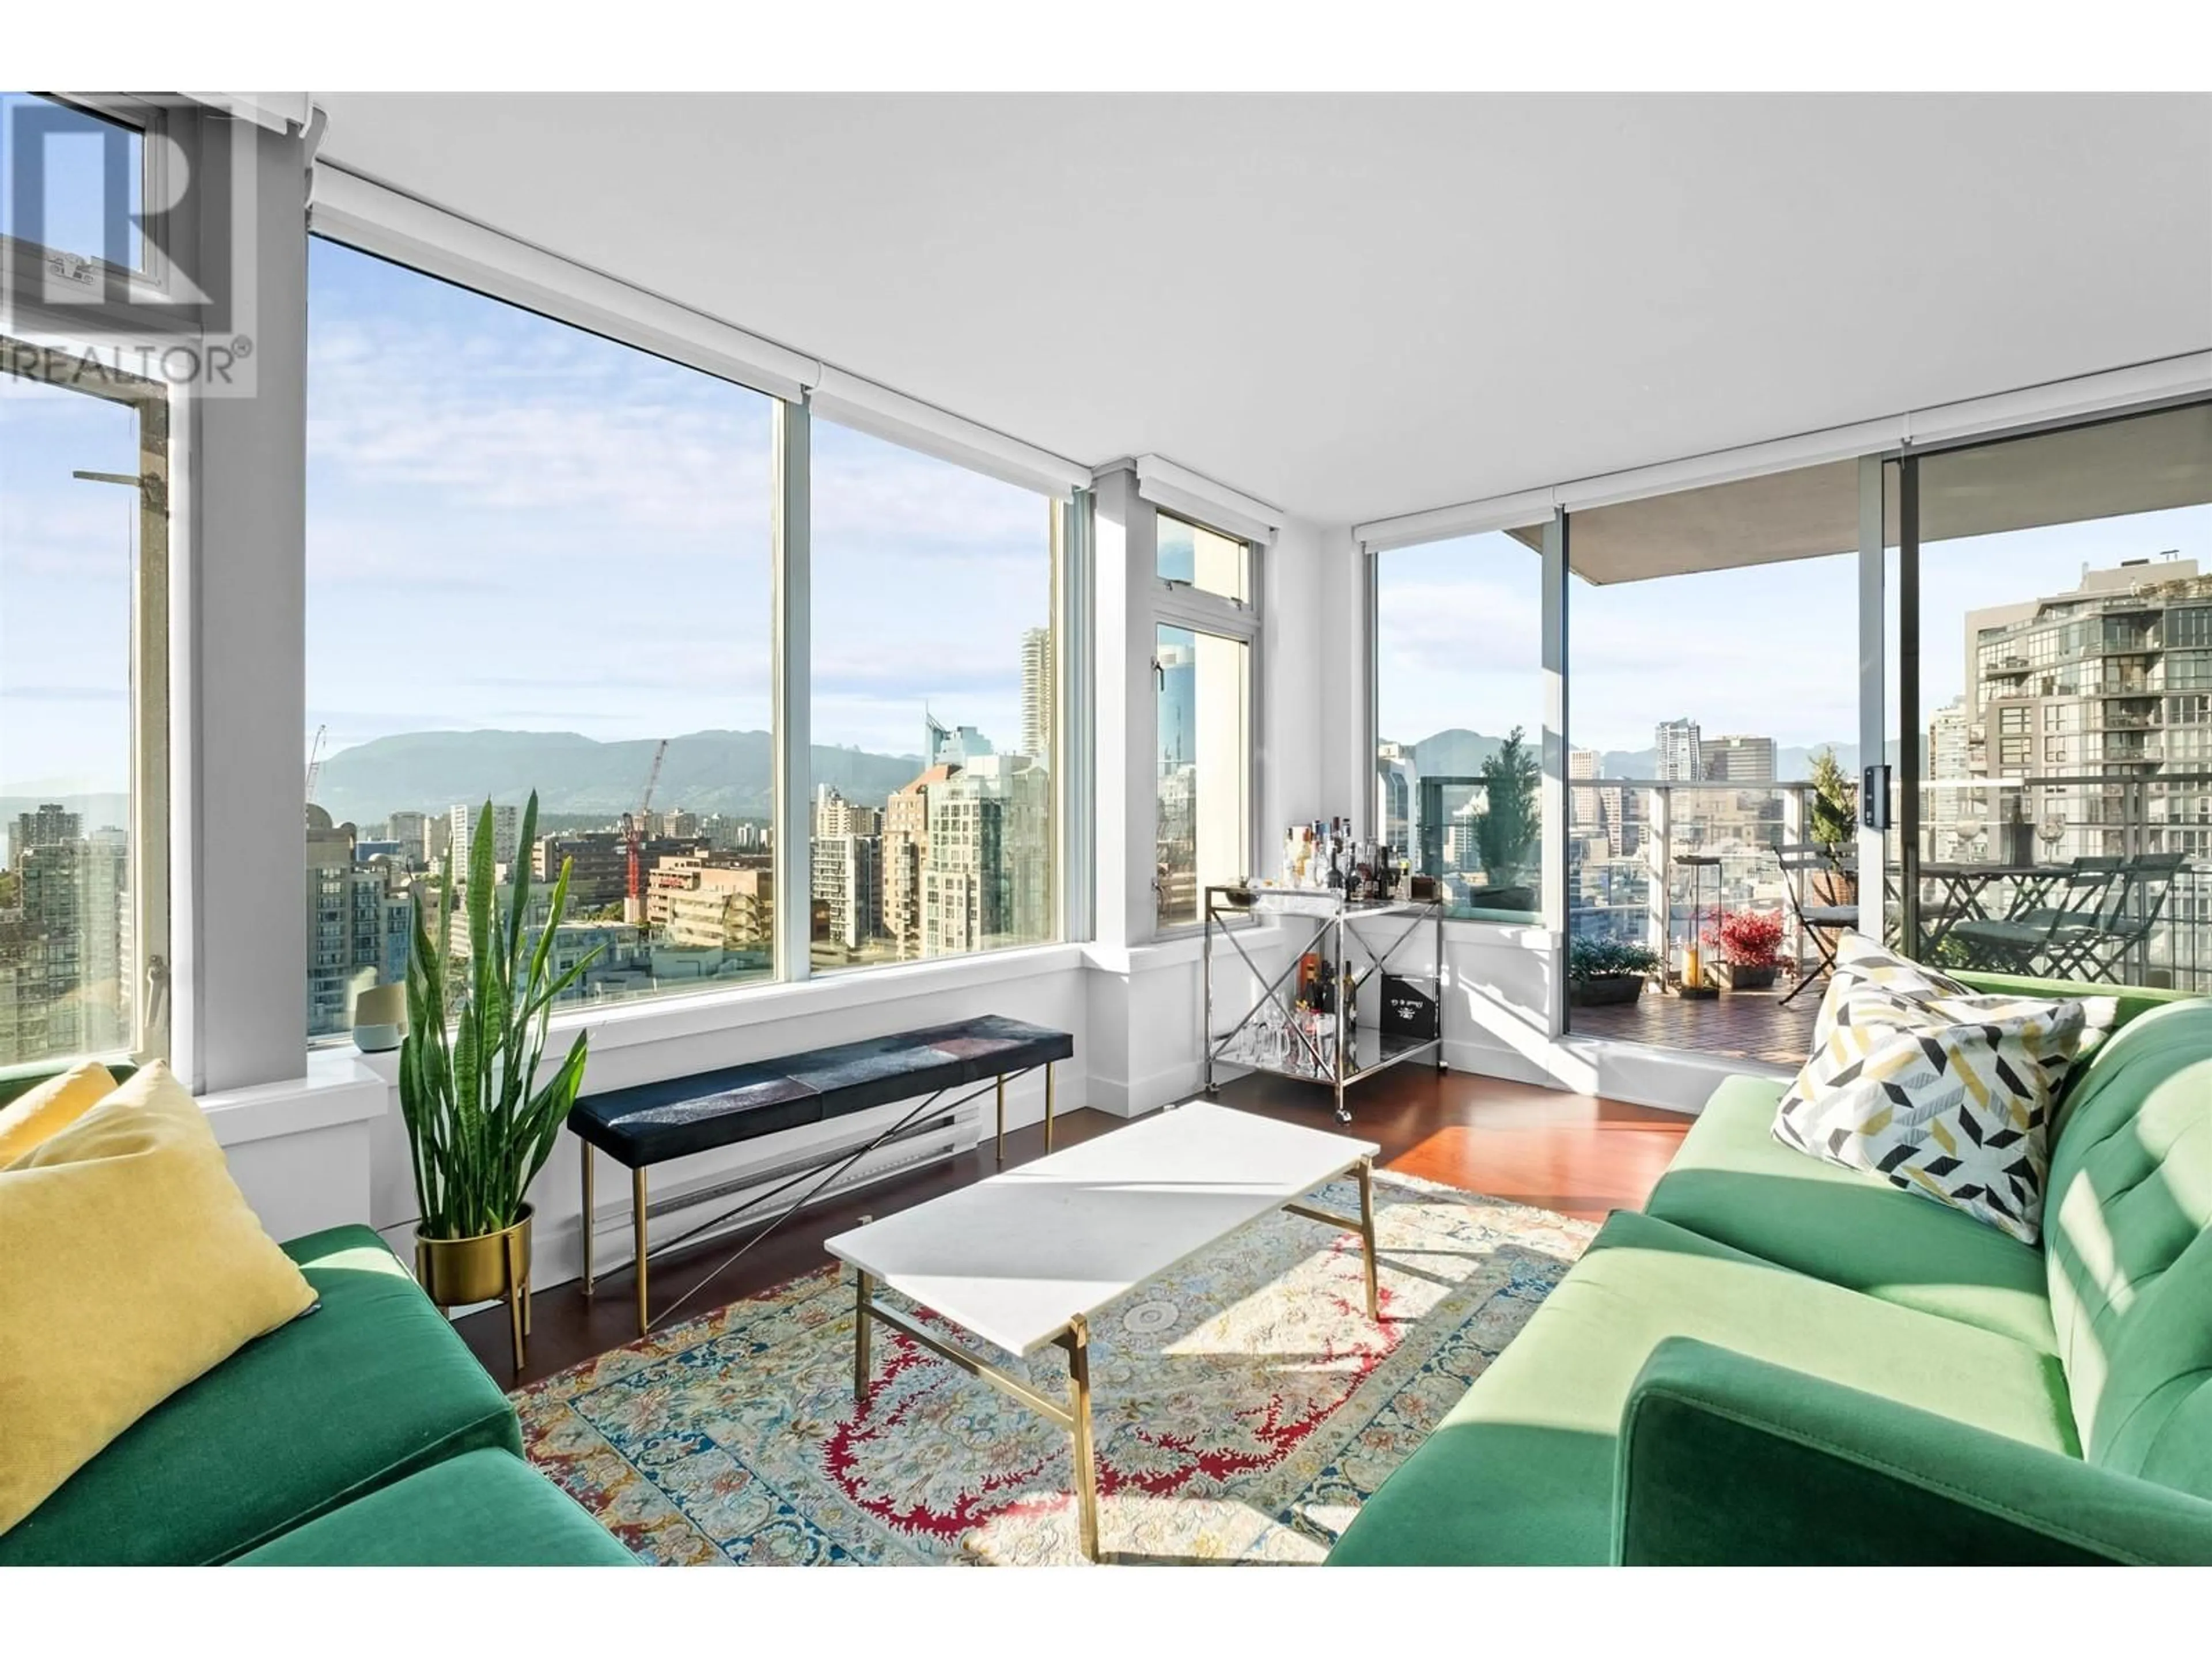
479, 1125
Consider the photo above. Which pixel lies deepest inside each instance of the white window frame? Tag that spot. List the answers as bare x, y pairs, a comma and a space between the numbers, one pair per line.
159, 412
1177, 603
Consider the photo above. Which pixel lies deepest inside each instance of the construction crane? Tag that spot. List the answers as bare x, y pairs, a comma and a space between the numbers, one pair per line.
315, 761
633, 825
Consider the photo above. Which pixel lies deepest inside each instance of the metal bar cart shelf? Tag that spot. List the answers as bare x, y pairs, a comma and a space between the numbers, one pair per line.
1340, 1054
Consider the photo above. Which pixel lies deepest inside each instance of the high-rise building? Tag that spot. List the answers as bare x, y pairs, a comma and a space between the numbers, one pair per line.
461, 825
1736, 760
67, 976
2096, 705
359, 924
598, 872
50, 826
985, 875
835, 816
1948, 751
847, 888
1585, 807
951, 746
1039, 701
906, 849
412, 832
1678, 743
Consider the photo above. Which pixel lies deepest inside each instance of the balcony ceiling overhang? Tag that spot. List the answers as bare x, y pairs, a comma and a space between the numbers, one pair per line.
1360, 306
2072, 477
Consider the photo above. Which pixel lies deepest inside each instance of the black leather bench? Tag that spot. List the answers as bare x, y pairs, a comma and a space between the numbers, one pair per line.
653, 1123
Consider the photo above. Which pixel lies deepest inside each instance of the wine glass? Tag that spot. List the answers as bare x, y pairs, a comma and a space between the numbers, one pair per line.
2050, 830
1970, 826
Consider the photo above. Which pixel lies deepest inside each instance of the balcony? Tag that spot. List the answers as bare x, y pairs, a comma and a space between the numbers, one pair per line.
2064, 875
1646, 894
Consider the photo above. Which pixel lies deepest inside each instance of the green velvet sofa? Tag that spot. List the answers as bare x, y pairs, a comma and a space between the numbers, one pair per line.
1779, 1361
363, 1432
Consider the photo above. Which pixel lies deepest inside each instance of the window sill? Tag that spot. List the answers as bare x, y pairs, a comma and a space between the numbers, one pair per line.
638, 1024
339, 1087
1181, 948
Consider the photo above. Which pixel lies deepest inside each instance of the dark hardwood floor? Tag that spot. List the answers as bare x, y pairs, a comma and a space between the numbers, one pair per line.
1574, 1153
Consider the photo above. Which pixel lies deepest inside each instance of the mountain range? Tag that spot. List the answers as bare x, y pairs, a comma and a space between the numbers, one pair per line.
1460, 753
728, 772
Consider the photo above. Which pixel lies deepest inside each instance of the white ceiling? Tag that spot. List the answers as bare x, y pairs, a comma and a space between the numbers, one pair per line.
1360, 305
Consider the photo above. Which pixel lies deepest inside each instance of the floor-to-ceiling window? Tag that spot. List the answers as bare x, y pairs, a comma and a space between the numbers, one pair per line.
537, 562
2062, 804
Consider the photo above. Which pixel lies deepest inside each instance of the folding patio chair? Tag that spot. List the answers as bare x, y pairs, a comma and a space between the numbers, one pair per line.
2029, 941
2095, 948
1817, 922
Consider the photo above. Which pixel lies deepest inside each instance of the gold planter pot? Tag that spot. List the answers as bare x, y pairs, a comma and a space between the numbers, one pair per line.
490, 1267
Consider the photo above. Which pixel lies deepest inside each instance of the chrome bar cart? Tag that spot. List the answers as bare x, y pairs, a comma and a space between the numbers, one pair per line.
1283, 1042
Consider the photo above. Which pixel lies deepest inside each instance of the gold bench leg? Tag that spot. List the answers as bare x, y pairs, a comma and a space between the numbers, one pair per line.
1002, 1120
1048, 1105
587, 1146
637, 1205
517, 1301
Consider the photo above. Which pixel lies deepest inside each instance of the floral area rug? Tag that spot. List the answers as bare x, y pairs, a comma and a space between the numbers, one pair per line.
1244, 1405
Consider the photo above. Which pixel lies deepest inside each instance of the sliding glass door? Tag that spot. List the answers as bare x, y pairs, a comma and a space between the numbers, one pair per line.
2060, 738
1713, 671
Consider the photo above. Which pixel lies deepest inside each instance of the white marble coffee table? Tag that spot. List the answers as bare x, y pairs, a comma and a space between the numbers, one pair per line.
1023, 1259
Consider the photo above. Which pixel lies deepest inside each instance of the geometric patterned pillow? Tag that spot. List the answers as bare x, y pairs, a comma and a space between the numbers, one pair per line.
1869, 961
1937, 1089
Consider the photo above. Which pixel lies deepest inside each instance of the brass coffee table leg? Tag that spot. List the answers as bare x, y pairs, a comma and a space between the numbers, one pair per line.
864, 1286
1367, 1235
1077, 1344
1074, 1416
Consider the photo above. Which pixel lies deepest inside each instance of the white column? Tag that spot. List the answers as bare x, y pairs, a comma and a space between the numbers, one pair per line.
238, 677
792, 691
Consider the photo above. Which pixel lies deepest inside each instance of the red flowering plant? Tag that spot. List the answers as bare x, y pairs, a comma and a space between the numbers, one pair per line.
1747, 938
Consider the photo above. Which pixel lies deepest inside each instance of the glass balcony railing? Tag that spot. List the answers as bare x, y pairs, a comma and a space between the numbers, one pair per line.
2074, 875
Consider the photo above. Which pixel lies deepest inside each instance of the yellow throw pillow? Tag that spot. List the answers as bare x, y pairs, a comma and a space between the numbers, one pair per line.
129, 1264
46, 1110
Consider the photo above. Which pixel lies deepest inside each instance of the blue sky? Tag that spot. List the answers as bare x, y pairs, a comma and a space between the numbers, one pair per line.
67, 550
514, 524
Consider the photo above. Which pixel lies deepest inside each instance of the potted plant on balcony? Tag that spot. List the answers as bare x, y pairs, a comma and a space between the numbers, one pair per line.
1750, 946
1831, 825
1604, 972
1511, 824
480, 1126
